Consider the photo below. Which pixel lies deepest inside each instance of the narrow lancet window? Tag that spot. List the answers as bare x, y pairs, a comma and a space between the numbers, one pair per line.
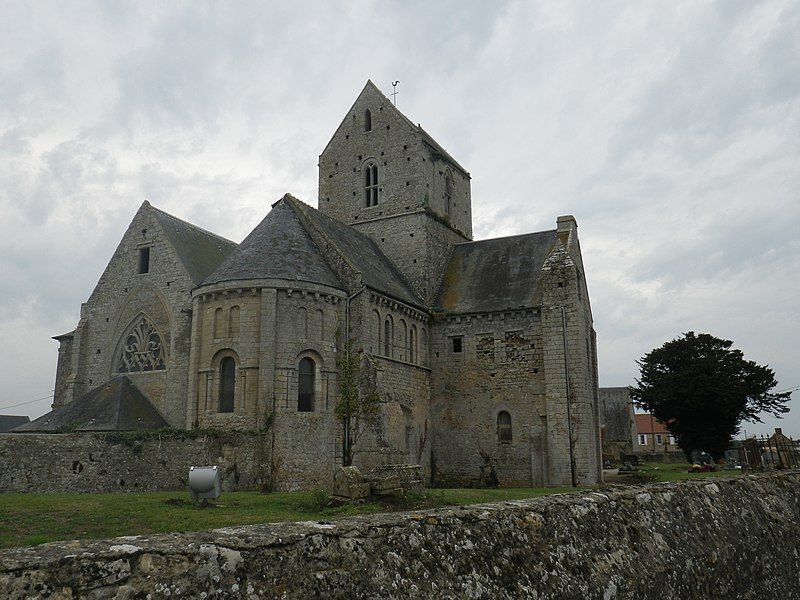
388, 337
448, 194
504, 426
227, 384
305, 385
371, 185
367, 120
234, 317
144, 260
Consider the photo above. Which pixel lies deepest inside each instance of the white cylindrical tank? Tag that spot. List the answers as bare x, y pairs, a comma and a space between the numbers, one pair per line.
204, 482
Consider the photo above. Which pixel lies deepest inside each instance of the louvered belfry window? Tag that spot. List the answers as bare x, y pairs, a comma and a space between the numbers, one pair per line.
371, 185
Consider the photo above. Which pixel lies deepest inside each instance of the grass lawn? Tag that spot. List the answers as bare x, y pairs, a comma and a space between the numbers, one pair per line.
29, 519
33, 518
675, 472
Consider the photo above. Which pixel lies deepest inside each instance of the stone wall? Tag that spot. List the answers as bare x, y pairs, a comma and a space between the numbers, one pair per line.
677, 540
91, 356
498, 368
617, 421
412, 222
97, 462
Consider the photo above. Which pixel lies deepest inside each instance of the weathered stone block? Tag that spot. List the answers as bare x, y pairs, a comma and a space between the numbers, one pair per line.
348, 483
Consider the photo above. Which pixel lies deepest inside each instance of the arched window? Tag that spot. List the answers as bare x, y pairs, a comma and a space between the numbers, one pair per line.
319, 324
371, 185
218, 323
305, 385
388, 336
403, 340
367, 120
234, 317
412, 344
227, 384
143, 349
377, 319
448, 193
504, 426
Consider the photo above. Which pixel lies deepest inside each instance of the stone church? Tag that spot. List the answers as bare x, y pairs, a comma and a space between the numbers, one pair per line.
479, 356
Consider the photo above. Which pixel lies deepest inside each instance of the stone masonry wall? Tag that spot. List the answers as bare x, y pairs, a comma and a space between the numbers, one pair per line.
121, 295
410, 223
499, 368
401, 430
673, 541
97, 462
571, 381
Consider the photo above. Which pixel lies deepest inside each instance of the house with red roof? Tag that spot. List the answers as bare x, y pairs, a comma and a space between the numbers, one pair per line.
652, 436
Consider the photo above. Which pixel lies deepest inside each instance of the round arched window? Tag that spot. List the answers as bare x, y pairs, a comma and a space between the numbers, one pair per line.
504, 433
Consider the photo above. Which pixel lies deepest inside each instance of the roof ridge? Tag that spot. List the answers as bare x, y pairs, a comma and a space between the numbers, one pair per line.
279, 247
506, 237
190, 224
292, 201
307, 209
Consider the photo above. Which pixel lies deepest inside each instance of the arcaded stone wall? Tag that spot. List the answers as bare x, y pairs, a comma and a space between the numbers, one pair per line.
659, 542
397, 370
114, 462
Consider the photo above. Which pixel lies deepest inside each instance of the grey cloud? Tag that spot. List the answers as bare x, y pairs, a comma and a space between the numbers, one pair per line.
671, 134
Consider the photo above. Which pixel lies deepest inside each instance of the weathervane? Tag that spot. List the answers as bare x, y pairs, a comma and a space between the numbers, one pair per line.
394, 91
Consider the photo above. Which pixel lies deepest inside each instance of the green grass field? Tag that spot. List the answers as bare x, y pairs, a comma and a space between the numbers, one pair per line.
29, 519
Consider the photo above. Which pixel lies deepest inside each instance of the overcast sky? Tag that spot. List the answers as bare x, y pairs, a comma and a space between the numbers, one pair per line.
671, 130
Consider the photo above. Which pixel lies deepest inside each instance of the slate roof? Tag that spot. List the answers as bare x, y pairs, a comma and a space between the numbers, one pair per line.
199, 250
497, 274
280, 248
377, 271
8, 422
114, 406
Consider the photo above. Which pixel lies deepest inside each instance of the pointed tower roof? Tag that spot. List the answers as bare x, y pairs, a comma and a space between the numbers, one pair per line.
370, 89
199, 250
278, 248
114, 406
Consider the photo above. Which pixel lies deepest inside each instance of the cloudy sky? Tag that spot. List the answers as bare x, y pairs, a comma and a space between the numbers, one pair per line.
671, 130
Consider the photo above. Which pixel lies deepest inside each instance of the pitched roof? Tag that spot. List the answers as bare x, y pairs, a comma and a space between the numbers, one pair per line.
199, 250
114, 406
497, 274
426, 137
645, 423
8, 422
278, 248
377, 271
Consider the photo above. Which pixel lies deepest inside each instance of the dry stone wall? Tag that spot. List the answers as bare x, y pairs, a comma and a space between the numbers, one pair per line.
707, 538
114, 462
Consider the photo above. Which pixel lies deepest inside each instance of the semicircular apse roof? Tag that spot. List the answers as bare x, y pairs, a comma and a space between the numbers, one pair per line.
278, 248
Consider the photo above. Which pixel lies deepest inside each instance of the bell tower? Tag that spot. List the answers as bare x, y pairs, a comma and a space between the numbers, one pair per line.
389, 179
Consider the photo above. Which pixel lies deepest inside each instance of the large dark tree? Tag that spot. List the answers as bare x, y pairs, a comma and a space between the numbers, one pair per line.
701, 389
